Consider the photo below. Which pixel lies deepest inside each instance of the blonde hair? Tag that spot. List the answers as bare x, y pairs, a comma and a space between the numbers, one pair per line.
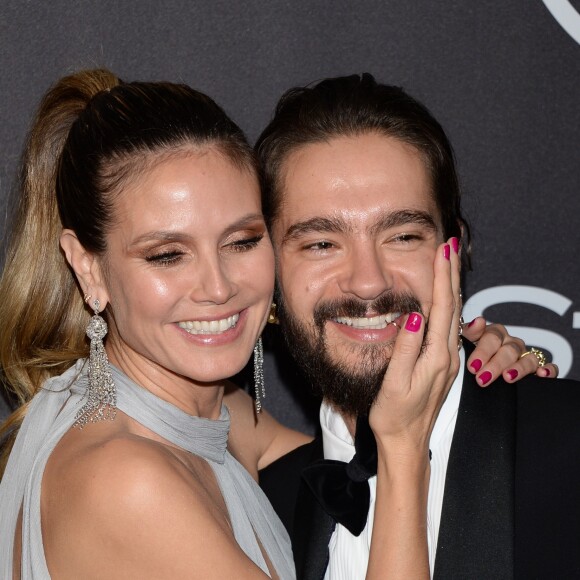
91, 133
42, 314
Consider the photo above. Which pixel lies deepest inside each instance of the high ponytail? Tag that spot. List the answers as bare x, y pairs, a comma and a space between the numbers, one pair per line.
92, 134
41, 311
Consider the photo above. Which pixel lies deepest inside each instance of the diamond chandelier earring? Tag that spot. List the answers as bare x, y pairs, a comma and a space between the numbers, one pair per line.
101, 395
259, 386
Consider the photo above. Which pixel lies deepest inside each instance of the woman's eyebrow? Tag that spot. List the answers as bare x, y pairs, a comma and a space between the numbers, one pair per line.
244, 222
180, 236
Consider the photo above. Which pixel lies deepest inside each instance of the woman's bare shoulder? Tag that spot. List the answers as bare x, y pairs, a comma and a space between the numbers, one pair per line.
145, 499
112, 475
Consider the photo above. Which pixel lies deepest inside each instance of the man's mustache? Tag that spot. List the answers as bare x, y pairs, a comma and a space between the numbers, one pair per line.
355, 308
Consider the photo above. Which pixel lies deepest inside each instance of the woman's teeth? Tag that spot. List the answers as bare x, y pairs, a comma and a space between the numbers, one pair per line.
209, 326
374, 323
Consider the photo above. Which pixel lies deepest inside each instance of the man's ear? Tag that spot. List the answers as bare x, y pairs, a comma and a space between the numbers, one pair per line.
86, 267
465, 251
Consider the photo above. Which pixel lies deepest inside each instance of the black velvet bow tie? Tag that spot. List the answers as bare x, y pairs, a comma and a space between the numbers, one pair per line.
342, 489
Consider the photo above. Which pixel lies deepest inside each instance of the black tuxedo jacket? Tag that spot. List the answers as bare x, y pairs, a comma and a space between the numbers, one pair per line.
511, 507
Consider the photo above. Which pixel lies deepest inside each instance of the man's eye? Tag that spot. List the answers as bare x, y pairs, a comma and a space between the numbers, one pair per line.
319, 246
246, 244
407, 237
165, 258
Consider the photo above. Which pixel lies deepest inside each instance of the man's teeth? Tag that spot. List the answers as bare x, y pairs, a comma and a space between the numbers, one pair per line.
209, 326
375, 322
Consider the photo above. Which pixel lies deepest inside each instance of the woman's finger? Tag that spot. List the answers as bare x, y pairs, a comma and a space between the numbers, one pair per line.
455, 263
524, 367
393, 409
406, 351
442, 308
548, 371
499, 354
495, 353
474, 329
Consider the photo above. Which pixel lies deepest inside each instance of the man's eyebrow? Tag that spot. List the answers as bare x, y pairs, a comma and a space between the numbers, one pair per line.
338, 225
315, 225
402, 218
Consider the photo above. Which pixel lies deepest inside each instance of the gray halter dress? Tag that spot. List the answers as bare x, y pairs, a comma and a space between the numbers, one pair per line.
52, 413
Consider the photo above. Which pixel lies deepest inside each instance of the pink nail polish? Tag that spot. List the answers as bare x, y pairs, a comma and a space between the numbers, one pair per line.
484, 378
476, 364
413, 323
446, 251
471, 323
513, 374
455, 245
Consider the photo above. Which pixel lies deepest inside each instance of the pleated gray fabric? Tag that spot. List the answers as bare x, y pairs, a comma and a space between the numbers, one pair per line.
51, 414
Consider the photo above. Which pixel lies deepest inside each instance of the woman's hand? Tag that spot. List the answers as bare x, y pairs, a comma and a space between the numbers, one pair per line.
420, 371
497, 353
416, 383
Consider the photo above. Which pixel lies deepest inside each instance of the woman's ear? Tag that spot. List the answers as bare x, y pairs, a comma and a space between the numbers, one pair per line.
86, 267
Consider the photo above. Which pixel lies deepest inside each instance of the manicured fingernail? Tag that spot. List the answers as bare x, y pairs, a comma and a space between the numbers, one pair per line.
455, 245
476, 364
513, 374
446, 251
546, 372
484, 378
413, 322
471, 323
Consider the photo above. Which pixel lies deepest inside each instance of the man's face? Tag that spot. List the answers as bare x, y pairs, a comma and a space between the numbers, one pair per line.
355, 245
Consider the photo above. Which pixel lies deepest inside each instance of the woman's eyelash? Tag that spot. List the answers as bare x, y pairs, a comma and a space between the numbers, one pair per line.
168, 258
165, 258
246, 243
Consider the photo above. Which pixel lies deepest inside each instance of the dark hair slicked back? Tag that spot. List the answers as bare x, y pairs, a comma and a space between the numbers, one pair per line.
354, 105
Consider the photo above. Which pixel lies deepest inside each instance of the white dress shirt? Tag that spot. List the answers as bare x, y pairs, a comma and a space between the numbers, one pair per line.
349, 555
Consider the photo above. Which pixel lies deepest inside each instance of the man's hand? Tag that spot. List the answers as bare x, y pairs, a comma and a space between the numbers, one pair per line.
497, 353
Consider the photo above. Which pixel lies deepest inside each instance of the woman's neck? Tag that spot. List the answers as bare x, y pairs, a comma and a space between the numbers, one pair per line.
195, 398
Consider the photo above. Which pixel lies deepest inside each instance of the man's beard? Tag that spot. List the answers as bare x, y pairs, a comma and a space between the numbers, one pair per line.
350, 390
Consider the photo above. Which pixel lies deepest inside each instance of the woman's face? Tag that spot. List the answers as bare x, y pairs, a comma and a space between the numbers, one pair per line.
189, 268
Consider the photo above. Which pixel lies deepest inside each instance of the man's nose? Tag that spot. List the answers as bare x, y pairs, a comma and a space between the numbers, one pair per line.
365, 274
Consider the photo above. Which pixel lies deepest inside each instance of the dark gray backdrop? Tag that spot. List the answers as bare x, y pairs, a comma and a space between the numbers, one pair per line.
502, 77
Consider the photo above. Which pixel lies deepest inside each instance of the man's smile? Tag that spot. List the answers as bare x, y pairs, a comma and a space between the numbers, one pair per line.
375, 322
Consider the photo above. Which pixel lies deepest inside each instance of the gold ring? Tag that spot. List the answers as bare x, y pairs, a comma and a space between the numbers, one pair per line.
540, 356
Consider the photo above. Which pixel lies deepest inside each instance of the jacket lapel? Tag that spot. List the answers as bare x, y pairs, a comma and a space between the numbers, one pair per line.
476, 536
312, 531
